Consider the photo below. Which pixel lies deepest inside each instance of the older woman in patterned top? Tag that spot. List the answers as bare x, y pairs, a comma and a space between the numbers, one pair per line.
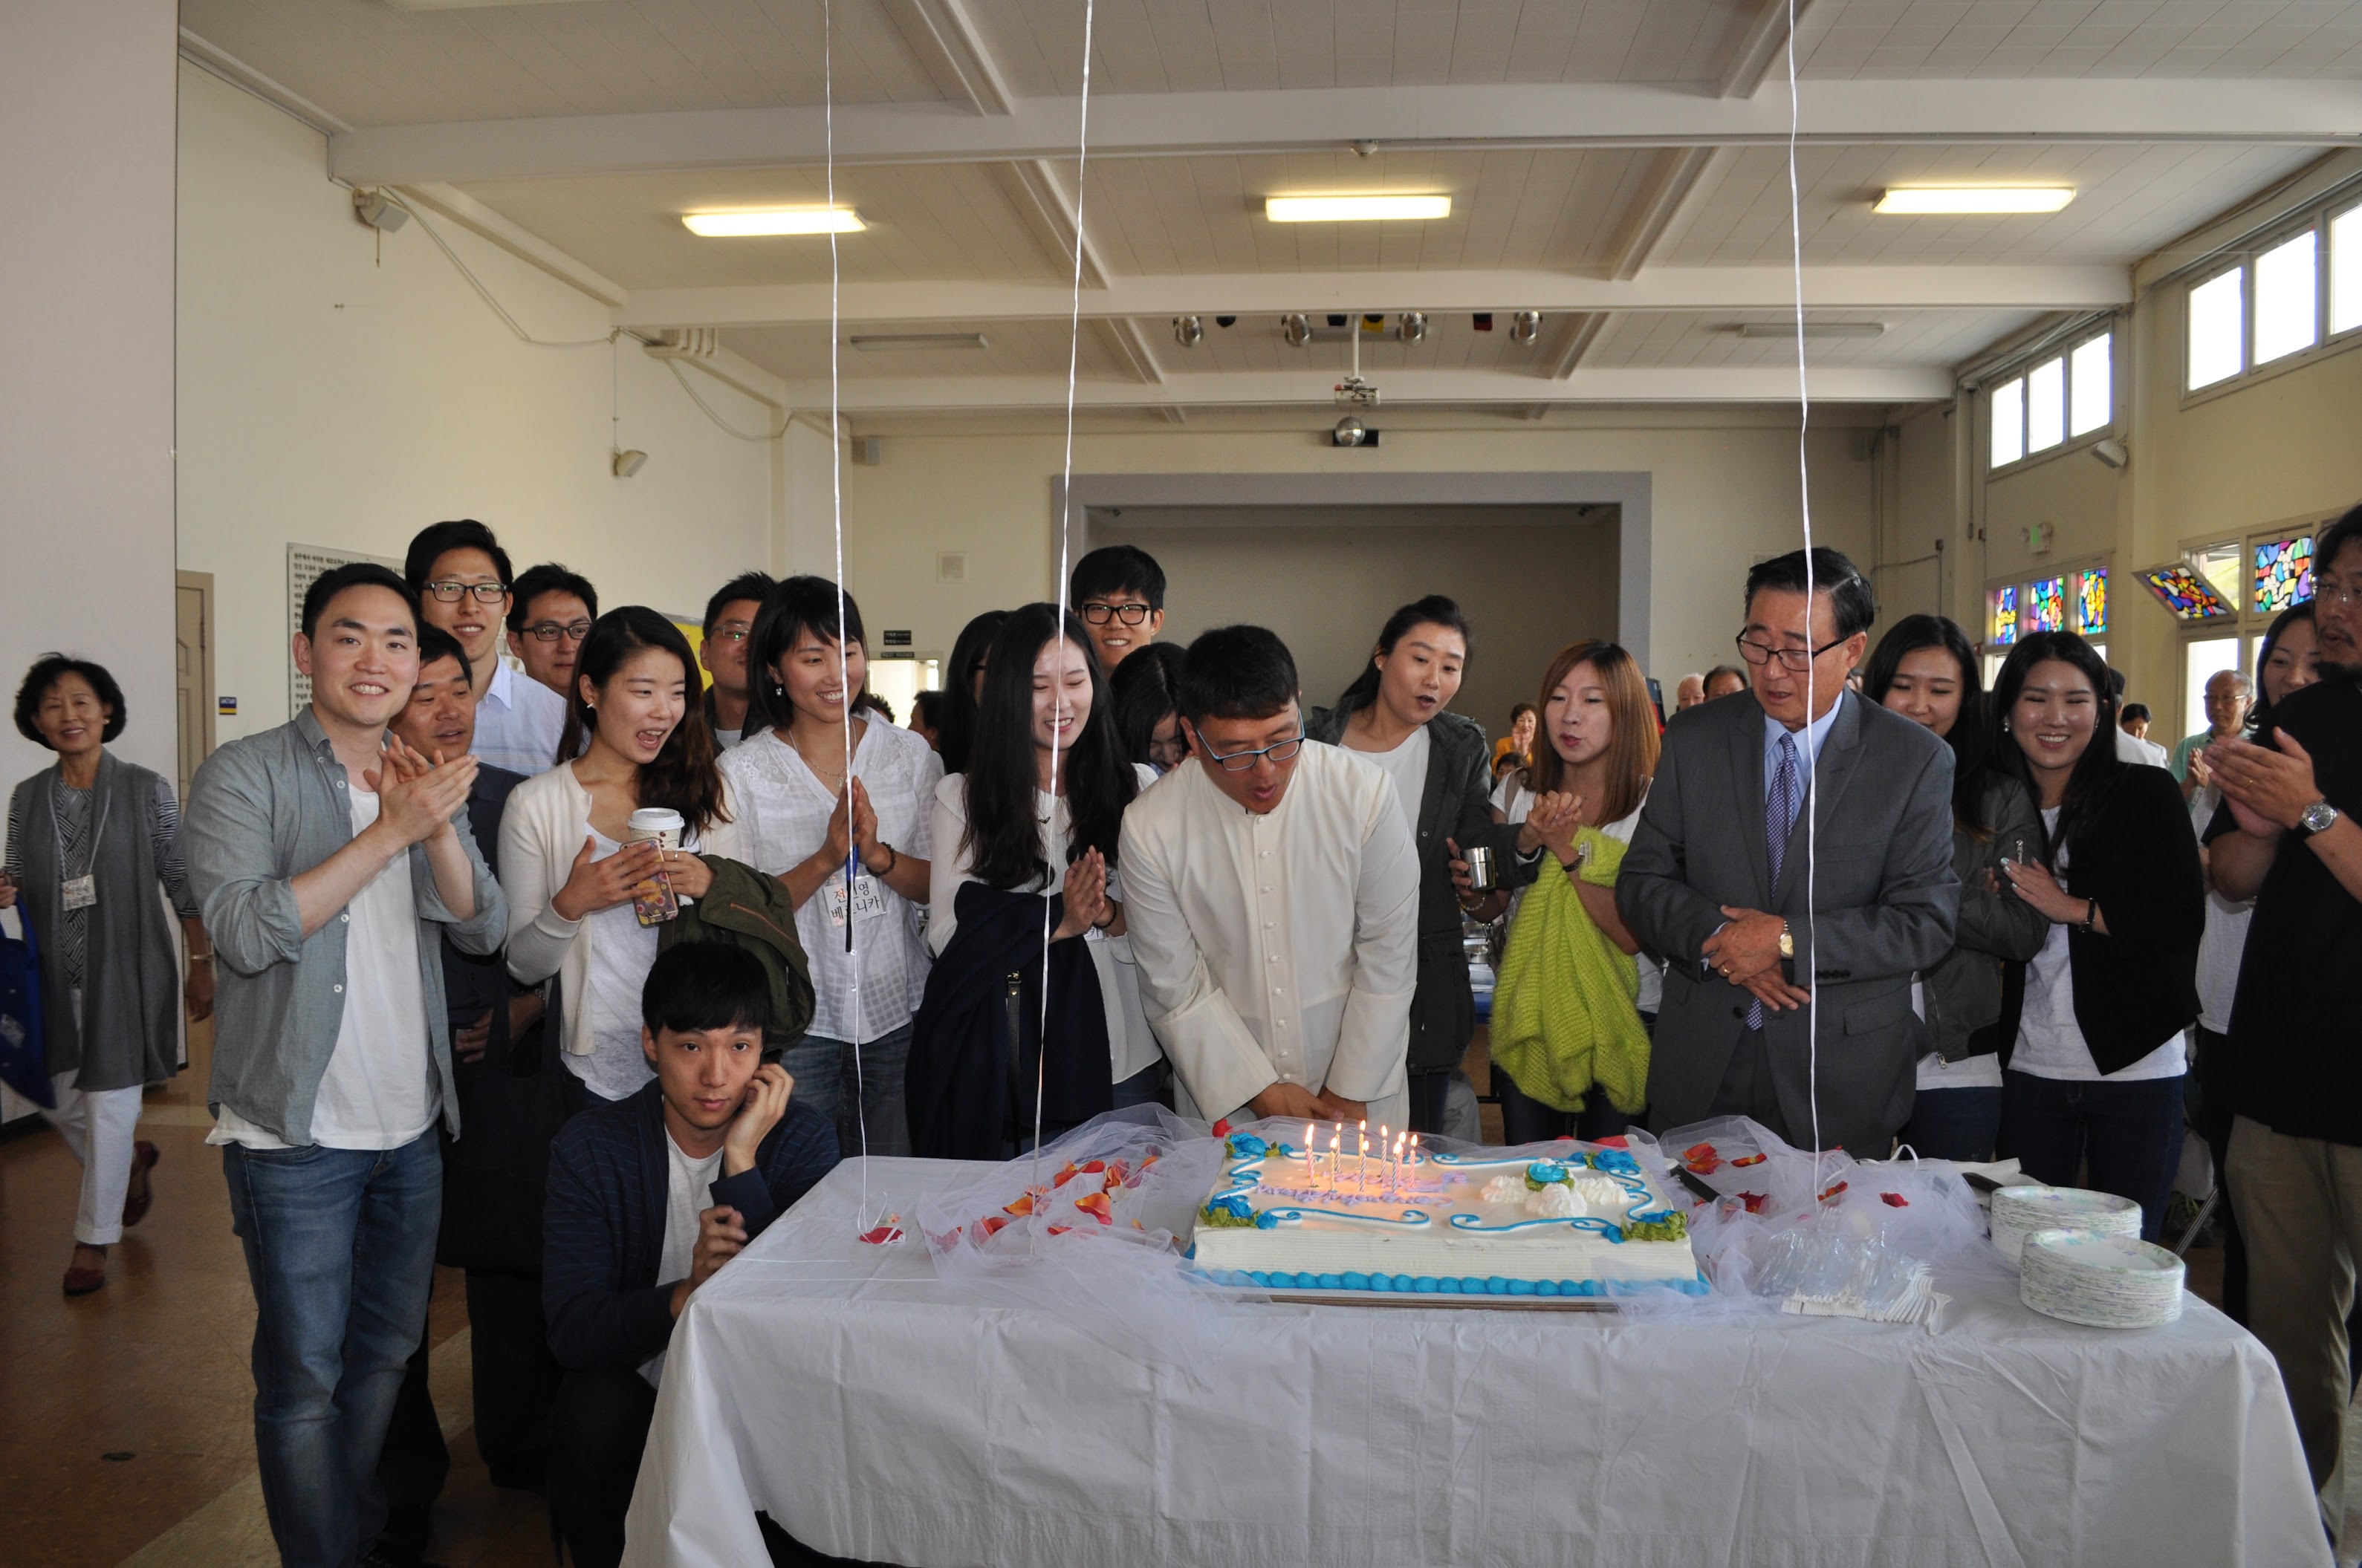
92, 840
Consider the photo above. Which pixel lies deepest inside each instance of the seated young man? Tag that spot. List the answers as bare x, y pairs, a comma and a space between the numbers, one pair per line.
648, 1197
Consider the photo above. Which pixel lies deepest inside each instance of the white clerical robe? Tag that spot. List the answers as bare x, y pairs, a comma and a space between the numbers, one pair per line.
1280, 947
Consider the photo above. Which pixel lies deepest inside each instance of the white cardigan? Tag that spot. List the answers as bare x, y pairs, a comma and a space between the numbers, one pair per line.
542, 829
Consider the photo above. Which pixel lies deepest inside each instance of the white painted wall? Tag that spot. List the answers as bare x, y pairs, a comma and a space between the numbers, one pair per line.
86, 390
1723, 497
330, 396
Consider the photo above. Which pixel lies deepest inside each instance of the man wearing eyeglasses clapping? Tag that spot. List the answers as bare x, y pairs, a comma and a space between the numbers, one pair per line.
1779, 927
1271, 892
461, 577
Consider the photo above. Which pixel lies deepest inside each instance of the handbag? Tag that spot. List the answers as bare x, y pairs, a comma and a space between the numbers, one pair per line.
24, 1056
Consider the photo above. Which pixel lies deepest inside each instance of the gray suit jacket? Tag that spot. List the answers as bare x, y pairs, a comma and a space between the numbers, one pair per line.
1883, 905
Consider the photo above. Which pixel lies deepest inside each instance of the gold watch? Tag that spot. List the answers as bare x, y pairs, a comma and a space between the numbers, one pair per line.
1787, 942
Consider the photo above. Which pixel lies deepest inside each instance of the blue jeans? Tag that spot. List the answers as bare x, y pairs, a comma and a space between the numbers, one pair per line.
1954, 1124
825, 1074
2123, 1138
341, 1249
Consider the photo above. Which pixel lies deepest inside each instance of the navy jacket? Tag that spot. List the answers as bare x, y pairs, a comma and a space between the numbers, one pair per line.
605, 1221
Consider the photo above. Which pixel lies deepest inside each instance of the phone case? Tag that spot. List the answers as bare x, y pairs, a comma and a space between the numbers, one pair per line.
654, 901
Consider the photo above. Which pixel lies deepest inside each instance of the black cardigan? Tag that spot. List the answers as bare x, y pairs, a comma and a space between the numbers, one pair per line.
2136, 986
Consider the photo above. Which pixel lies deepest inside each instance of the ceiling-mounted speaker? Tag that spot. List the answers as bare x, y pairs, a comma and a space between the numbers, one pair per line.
627, 463
378, 211
2111, 452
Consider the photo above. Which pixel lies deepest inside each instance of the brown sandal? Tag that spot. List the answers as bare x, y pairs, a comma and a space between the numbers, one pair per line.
81, 1282
144, 1156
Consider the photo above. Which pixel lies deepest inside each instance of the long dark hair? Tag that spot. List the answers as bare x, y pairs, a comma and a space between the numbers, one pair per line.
683, 776
792, 608
1433, 609
1004, 832
2262, 708
2094, 780
1971, 736
1147, 687
957, 731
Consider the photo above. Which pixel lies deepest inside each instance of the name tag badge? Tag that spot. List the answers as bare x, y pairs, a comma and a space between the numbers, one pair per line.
82, 892
868, 904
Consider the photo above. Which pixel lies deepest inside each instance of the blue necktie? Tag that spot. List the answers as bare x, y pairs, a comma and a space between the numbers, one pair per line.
1779, 819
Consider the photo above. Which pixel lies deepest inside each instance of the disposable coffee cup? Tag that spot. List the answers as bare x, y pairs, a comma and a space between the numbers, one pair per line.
657, 822
653, 900
1480, 868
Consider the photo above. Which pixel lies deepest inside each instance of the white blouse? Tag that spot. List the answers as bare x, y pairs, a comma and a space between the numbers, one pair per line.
782, 810
1132, 1044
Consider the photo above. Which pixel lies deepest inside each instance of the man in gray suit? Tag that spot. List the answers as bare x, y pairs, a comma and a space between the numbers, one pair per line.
1716, 879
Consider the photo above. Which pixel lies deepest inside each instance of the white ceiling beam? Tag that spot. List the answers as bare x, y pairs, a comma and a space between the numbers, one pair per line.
1734, 289
1125, 340
473, 215
946, 42
1672, 183
1759, 46
1582, 333
2301, 112
1039, 196
237, 73
1308, 389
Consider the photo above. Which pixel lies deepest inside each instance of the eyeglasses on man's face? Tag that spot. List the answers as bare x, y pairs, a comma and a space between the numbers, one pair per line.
2331, 594
1243, 762
452, 593
1797, 659
551, 630
729, 634
1098, 612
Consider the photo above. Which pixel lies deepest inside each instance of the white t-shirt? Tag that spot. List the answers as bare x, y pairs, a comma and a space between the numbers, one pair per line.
380, 1091
2218, 952
1132, 1044
621, 952
1512, 800
1405, 766
782, 811
688, 1194
2049, 1041
725, 738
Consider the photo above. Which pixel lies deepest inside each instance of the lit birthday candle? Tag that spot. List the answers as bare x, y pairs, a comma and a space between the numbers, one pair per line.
1382, 1157
1394, 1186
1311, 1160
1361, 1156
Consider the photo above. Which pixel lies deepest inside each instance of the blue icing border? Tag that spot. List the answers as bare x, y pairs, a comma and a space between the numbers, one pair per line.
1440, 1285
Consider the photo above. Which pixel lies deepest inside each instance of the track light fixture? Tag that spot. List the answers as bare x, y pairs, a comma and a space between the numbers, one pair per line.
1295, 330
1188, 331
627, 463
1414, 327
1525, 326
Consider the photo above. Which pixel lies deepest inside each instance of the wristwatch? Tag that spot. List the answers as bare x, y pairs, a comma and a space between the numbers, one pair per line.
1787, 941
2318, 817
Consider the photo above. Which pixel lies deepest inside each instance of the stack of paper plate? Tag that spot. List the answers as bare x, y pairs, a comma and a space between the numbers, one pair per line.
2106, 1281
2019, 1211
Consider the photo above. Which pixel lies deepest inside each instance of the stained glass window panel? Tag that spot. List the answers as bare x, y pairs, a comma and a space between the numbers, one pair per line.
2283, 575
2046, 609
2189, 596
2005, 616
2092, 601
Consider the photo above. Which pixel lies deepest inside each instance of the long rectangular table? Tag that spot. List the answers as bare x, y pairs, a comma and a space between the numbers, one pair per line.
876, 1413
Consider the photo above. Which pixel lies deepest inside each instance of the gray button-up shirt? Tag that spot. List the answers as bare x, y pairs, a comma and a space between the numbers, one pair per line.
262, 810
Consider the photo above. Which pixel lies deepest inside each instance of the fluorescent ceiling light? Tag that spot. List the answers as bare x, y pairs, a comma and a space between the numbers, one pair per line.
1812, 329
1975, 198
775, 220
873, 342
1354, 209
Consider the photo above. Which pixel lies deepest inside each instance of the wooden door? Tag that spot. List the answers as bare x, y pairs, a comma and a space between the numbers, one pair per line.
192, 649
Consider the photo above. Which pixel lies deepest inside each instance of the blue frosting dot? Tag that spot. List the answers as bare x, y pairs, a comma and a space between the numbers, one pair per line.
1405, 1282
1355, 1280
1261, 1277
1423, 1286
1332, 1282
1545, 1286
1521, 1286
1496, 1286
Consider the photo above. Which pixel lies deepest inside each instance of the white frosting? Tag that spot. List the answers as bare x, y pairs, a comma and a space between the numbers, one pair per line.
1453, 1221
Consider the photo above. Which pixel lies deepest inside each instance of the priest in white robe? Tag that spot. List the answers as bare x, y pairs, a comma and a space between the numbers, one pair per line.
1271, 893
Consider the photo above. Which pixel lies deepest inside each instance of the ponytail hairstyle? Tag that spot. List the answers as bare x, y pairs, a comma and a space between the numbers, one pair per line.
956, 732
799, 604
1971, 737
1433, 610
2093, 782
683, 776
1631, 759
1004, 824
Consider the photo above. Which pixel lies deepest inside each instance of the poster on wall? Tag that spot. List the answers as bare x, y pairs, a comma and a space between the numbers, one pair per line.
305, 563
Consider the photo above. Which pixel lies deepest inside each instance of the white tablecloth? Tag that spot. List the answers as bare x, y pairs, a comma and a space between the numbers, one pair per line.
877, 1414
